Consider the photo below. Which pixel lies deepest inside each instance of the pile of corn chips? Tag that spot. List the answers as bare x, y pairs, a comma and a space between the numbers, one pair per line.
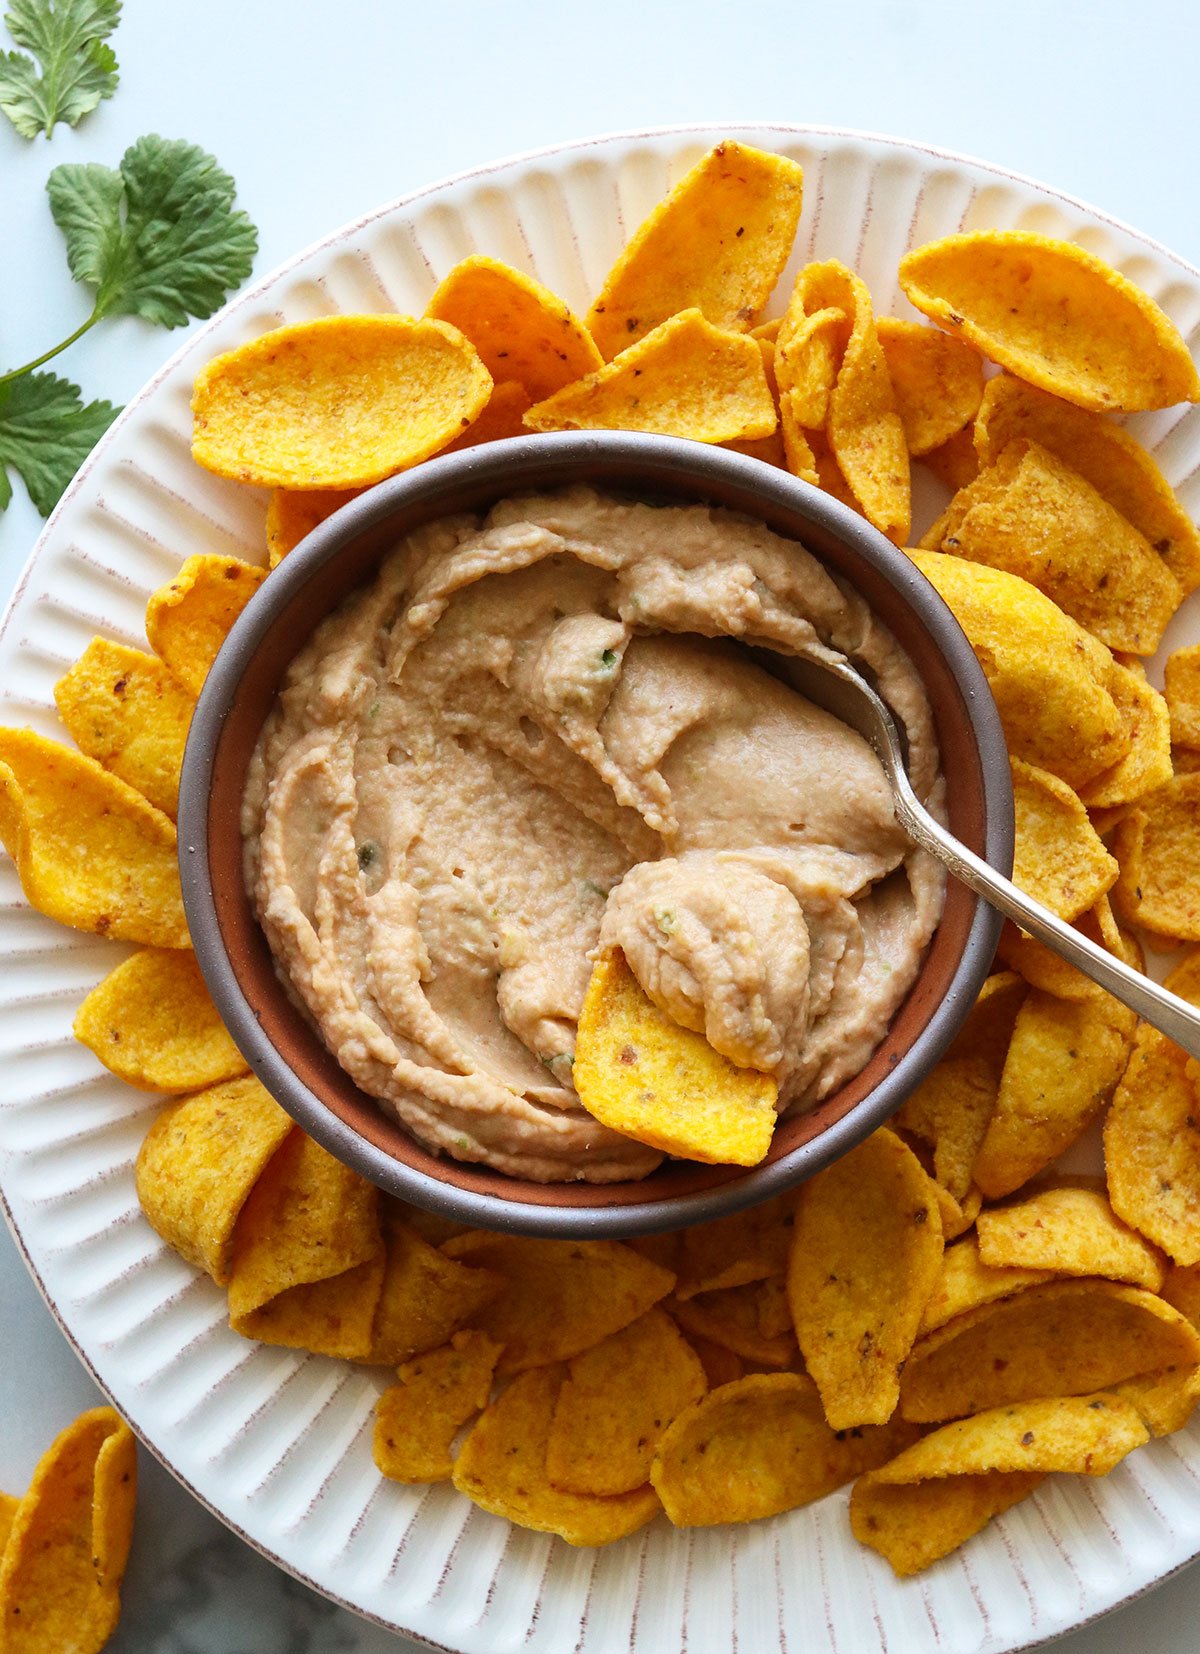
64, 1546
882, 1325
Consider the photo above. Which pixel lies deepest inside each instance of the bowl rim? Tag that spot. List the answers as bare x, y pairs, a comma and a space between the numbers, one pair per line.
505, 464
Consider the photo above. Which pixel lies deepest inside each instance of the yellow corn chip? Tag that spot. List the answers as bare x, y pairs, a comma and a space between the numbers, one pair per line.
1182, 692
308, 1218
1053, 975
862, 425
1071, 1231
1064, 1338
1054, 315
1059, 858
328, 1317
63, 1564
752, 1321
664, 1249
1158, 847
502, 1467
955, 462
426, 1296
718, 243
341, 402
1032, 515
866, 1250
770, 449
1050, 973
957, 1215
760, 1446
431, 1226
561, 1297
1147, 764
293, 513
198, 1164
952, 1106
1152, 1146
830, 477
521, 330
808, 353
798, 453
124, 709
417, 1420
189, 619
642, 1074
1051, 680
948, 1207
151, 1022
1062, 1065
503, 416
1105, 454
966, 1282
772, 1308
1182, 1288
1166, 1400
686, 378
1122, 943
8, 1509
746, 1246
913, 1527
617, 1400
89, 850
937, 381
1184, 980
721, 1366
950, 1484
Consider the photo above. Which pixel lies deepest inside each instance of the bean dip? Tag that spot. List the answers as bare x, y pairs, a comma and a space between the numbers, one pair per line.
542, 734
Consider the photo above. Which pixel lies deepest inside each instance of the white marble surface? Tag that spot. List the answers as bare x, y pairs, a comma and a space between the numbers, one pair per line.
321, 111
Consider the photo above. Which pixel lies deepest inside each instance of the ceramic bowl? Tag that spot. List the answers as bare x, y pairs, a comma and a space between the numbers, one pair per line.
281, 1045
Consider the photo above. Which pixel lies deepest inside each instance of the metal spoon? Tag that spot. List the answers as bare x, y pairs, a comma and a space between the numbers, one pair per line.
839, 689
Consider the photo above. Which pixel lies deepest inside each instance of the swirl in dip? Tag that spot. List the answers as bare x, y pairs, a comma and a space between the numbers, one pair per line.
535, 736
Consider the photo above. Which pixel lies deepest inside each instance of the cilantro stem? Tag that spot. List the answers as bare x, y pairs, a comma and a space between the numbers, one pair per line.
17, 373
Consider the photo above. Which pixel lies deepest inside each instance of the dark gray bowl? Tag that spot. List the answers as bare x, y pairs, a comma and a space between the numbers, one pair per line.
278, 1042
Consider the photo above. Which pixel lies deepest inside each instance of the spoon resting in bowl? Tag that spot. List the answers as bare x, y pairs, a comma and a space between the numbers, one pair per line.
837, 687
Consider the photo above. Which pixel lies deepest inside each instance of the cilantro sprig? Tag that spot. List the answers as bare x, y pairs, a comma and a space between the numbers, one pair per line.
159, 238
46, 433
77, 69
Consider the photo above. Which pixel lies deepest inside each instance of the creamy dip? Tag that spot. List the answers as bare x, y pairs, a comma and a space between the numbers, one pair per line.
534, 737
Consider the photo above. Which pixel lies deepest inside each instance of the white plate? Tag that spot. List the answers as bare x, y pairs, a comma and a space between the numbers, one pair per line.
278, 1443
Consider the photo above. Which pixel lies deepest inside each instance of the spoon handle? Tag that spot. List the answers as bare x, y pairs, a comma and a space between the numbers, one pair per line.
1171, 1015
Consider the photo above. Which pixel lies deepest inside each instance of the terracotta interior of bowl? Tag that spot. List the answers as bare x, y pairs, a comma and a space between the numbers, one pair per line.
251, 961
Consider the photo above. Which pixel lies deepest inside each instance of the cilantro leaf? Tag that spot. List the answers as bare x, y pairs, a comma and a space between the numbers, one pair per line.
46, 433
160, 238
77, 69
